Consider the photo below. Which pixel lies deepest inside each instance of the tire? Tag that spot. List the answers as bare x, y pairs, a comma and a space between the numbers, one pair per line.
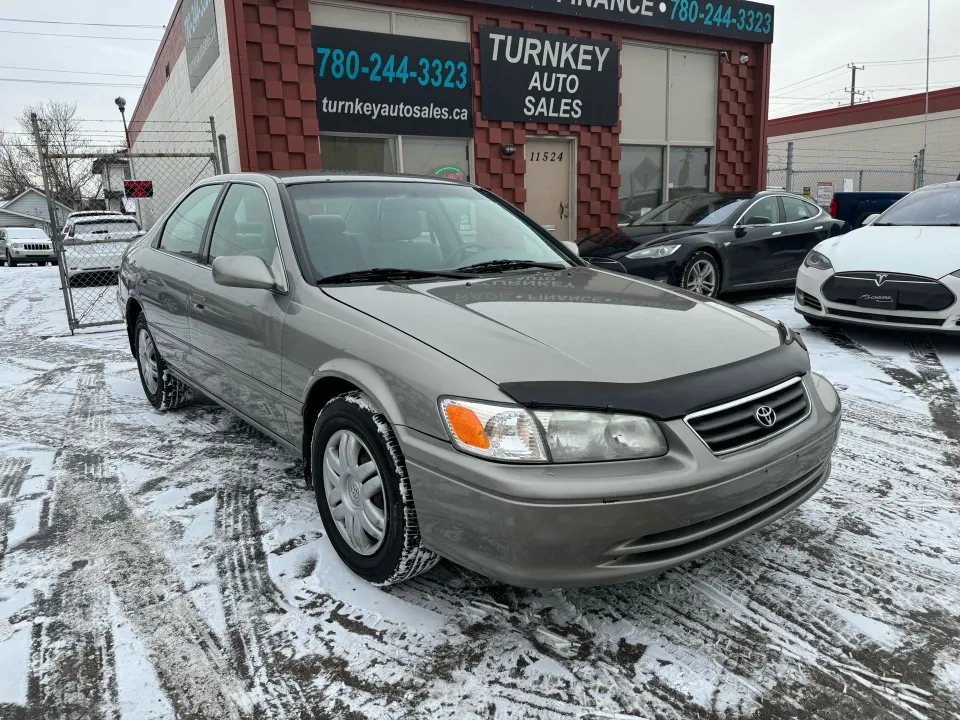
162, 389
10, 261
399, 554
698, 262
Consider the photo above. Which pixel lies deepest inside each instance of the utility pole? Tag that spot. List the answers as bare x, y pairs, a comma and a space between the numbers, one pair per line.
854, 93
789, 181
926, 103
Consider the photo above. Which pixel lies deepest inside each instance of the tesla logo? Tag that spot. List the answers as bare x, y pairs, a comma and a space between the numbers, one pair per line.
881, 279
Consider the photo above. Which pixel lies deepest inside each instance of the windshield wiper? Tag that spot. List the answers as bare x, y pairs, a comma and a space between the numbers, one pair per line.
391, 275
494, 265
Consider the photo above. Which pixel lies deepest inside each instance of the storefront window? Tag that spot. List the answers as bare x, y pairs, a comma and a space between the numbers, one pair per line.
435, 157
689, 171
364, 154
641, 179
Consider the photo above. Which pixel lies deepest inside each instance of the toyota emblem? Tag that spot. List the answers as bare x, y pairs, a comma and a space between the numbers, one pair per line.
765, 416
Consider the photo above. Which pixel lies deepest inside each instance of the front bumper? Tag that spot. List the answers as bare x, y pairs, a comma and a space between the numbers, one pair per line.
29, 256
666, 270
592, 524
810, 302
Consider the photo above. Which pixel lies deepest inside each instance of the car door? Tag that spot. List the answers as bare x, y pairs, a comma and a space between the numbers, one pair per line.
804, 226
236, 332
168, 271
753, 253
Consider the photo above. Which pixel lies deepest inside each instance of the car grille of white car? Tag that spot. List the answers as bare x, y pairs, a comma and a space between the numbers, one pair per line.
740, 423
37, 246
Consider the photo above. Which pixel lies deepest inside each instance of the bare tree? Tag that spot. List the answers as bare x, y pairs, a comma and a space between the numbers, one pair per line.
17, 171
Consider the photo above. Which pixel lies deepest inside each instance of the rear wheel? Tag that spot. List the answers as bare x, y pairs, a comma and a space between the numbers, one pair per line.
162, 389
363, 492
701, 275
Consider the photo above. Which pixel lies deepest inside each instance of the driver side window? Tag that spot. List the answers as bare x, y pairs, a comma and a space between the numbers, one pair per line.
763, 212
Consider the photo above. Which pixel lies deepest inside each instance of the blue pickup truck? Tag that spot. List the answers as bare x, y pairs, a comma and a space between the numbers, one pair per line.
855, 207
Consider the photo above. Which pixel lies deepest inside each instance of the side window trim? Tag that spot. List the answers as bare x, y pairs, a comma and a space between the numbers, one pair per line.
216, 204
204, 258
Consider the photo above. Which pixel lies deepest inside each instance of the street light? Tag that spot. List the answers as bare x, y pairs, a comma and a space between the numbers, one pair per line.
122, 105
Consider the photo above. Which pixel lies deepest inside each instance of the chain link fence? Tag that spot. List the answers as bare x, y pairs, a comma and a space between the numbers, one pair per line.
803, 172
124, 197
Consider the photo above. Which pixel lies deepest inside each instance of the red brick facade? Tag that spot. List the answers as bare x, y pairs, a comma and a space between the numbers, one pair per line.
275, 96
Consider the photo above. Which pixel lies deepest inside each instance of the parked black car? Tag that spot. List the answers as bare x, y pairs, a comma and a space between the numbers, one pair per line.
715, 242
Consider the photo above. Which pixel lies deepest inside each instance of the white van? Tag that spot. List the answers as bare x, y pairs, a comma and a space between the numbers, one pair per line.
19, 245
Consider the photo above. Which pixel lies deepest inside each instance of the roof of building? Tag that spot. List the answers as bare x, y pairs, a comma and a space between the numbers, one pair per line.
4, 211
12, 200
896, 108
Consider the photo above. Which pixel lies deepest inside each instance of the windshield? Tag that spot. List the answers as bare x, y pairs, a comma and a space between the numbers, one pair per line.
355, 226
933, 206
694, 210
26, 234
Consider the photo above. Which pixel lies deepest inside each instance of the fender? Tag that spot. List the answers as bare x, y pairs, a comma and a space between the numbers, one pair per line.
365, 377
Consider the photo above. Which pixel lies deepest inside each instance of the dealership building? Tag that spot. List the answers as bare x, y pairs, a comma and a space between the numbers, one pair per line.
574, 110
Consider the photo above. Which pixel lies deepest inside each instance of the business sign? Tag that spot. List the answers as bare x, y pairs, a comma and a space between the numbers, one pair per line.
535, 77
203, 46
824, 193
138, 188
393, 84
738, 19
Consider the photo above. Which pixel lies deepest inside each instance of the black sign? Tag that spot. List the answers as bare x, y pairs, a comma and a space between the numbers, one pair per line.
729, 18
138, 188
536, 77
200, 31
394, 84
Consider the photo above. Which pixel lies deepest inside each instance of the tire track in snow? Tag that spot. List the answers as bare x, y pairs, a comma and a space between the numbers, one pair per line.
279, 683
12, 473
109, 547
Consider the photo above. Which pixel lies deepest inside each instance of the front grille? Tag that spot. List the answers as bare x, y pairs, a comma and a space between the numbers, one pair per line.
808, 300
37, 246
930, 322
913, 291
736, 425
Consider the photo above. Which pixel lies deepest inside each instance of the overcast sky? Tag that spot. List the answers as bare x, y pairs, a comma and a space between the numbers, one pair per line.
811, 37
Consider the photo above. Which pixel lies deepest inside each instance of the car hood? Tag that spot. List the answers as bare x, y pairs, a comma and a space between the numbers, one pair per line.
583, 325
928, 251
618, 242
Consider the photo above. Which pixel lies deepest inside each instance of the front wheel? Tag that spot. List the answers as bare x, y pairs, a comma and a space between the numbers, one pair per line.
162, 389
363, 492
10, 261
701, 275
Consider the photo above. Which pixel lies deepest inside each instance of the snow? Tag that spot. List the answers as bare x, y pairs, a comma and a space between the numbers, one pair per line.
184, 552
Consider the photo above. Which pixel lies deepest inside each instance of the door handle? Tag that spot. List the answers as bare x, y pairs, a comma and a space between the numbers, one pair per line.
778, 232
819, 227
564, 208
198, 301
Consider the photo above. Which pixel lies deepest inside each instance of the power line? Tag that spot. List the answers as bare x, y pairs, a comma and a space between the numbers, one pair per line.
63, 22
72, 72
69, 82
84, 37
798, 82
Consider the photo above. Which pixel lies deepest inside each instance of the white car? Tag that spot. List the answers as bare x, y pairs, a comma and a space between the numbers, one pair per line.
901, 270
85, 213
19, 245
93, 245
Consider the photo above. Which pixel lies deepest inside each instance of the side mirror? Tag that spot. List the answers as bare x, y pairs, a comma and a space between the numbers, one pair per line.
243, 271
571, 246
740, 231
870, 220
758, 220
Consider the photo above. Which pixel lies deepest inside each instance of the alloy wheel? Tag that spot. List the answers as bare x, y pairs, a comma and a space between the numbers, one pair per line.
147, 355
701, 278
354, 492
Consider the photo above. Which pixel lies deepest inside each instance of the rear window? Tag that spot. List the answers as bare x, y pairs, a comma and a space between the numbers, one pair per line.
101, 226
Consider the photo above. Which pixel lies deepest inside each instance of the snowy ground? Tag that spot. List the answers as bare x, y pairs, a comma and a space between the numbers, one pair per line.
173, 565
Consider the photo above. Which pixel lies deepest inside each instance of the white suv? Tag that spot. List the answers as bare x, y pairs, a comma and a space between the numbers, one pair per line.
19, 245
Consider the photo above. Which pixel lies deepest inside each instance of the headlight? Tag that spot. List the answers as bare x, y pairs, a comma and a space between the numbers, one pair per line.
508, 432
817, 261
498, 432
658, 251
574, 436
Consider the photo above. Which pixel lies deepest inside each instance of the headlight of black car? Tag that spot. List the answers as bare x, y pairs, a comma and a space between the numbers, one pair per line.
817, 261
